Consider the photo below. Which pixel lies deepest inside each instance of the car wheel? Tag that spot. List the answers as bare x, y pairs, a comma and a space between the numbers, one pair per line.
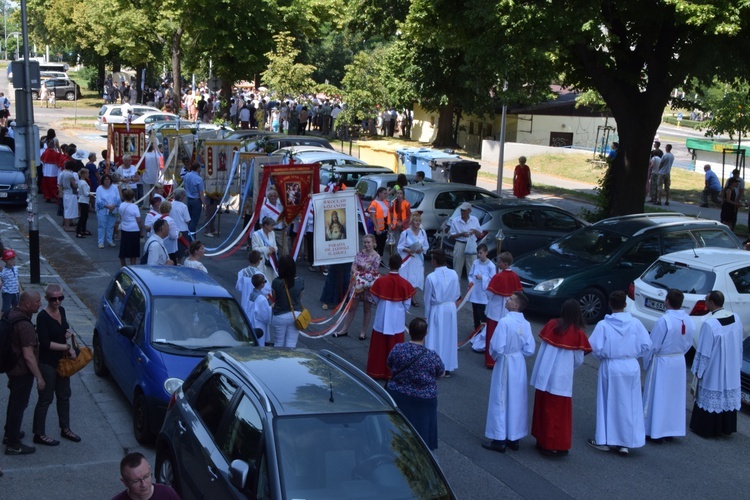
100, 368
593, 305
71, 96
166, 469
141, 427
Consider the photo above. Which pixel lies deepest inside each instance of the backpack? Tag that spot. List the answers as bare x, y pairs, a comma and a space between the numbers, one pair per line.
8, 358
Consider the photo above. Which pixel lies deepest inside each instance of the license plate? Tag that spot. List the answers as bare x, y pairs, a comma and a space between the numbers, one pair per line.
745, 397
653, 304
3, 195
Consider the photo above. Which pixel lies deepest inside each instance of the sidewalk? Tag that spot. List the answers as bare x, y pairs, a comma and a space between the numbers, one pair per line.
99, 412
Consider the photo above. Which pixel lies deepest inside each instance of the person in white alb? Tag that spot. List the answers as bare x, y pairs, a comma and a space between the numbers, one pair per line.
464, 228
507, 412
717, 365
273, 208
618, 340
150, 174
664, 392
441, 291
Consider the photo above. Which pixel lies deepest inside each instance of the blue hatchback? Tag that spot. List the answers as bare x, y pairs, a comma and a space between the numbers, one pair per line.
155, 324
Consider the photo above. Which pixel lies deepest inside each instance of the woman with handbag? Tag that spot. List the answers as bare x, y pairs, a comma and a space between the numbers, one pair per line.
287, 294
413, 384
365, 272
53, 331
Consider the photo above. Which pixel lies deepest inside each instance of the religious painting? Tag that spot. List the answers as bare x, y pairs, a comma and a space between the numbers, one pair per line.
334, 213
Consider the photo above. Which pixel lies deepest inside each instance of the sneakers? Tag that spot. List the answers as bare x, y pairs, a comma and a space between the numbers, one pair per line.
112, 244
19, 449
325, 271
600, 447
209, 235
622, 450
101, 245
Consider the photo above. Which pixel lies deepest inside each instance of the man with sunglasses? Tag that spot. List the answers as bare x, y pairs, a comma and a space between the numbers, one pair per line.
135, 474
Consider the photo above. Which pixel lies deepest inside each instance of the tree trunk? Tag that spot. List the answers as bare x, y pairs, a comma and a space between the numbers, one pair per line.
101, 76
176, 50
444, 137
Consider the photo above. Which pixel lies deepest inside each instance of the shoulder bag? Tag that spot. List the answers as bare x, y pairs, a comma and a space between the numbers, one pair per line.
67, 366
301, 320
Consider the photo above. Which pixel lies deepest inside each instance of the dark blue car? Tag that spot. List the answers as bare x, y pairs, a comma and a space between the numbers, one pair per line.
155, 324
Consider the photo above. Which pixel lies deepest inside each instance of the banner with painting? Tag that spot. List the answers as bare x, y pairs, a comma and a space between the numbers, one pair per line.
219, 156
295, 183
124, 138
335, 220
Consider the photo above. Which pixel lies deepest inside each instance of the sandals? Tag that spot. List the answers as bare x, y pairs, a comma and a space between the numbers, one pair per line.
70, 435
363, 337
80, 236
45, 440
339, 334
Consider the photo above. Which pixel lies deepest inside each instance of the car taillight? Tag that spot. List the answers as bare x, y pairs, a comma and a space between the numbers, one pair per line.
172, 400
699, 309
631, 291
104, 119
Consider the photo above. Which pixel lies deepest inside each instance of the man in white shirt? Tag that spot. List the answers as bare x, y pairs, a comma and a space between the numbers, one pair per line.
128, 173
154, 247
272, 208
150, 174
665, 169
463, 228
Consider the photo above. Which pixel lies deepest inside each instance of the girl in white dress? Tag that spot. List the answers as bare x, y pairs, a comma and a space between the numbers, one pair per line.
411, 246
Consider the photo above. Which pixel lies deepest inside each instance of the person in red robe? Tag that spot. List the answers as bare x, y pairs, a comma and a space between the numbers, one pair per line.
49, 183
564, 343
392, 294
522, 179
502, 285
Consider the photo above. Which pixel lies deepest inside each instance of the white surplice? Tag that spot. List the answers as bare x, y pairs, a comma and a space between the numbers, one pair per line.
259, 313
390, 316
618, 340
717, 363
263, 243
553, 369
441, 292
412, 270
666, 380
507, 412
486, 270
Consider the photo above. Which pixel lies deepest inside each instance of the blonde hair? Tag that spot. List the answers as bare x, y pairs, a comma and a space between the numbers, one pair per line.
165, 207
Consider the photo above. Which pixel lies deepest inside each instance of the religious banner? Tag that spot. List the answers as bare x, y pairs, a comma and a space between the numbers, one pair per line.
219, 156
295, 184
335, 221
124, 138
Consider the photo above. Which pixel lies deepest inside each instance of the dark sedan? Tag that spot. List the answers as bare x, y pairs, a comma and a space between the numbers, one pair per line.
13, 186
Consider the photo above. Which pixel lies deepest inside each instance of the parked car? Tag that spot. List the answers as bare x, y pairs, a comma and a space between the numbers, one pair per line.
115, 113
62, 87
438, 200
695, 273
155, 324
277, 141
46, 75
350, 174
590, 263
202, 130
155, 117
278, 423
244, 134
317, 154
524, 225
368, 186
14, 189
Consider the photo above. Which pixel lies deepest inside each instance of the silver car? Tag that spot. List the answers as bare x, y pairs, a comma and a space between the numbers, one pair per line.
438, 200
368, 186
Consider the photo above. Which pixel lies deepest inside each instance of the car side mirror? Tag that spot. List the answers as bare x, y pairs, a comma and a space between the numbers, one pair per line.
239, 470
127, 331
624, 264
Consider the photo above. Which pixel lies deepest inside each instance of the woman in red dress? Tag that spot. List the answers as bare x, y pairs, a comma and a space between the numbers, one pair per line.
522, 179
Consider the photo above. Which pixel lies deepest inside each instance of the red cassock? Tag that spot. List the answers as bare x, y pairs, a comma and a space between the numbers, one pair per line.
49, 184
392, 288
504, 283
552, 420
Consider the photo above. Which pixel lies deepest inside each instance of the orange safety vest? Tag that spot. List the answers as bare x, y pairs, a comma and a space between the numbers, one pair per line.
400, 217
382, 217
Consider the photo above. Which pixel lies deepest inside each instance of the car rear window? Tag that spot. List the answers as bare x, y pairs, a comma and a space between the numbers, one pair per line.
681, 276
366, 189
591, 243
715, 238
414, 197
741, 279
102, 110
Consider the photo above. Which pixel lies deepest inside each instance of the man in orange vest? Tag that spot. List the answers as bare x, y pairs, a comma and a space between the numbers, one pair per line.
381, 219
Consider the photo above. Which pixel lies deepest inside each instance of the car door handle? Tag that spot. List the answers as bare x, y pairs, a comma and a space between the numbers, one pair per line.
182, 427
212, 473
442, 215
512, 237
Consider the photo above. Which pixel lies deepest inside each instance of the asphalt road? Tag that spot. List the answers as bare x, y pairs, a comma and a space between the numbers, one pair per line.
689, 467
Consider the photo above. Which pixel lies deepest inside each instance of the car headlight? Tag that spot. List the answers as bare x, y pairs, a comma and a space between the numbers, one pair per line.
172, 384
549, 285
20, 186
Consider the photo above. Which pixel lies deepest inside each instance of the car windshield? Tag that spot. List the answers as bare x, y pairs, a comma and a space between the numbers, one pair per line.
8, 162
592, 243
366, 189
355, 455
199, 323
668, 275
414, 197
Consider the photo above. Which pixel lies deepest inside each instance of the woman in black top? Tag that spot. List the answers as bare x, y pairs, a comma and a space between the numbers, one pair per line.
53, 331
284, 330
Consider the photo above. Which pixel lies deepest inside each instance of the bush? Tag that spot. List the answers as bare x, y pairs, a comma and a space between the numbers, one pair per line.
672, 120
89, 75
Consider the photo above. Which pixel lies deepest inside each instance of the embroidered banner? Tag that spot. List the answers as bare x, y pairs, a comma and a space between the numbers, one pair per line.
335, 233
128, 139
219, 156
295, 184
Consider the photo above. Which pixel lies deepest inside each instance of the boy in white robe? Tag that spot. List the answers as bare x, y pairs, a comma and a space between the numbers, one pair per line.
441, 292
618, 340
664, 391
259, 309
507, 412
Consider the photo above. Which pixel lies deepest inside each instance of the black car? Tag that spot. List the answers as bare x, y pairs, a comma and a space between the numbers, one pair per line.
592, 262
14, 189
521, 225
62, 87
278, 423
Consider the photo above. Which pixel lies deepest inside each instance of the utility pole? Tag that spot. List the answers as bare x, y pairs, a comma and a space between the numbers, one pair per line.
501, 153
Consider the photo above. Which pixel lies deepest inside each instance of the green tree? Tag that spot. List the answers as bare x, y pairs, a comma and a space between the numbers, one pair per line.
284, 75
633, 53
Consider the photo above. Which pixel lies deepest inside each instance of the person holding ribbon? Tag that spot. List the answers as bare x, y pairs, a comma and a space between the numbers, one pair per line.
411, 247
264, 241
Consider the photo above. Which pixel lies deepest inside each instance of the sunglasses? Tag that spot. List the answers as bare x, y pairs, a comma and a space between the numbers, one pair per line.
56, 299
